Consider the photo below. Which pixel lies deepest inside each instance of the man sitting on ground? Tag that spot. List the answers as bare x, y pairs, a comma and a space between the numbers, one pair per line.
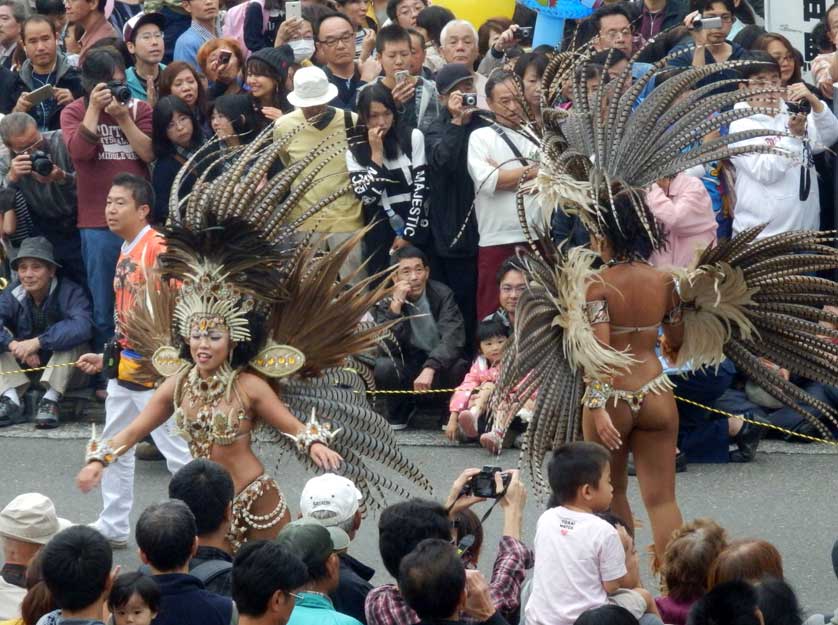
46, 321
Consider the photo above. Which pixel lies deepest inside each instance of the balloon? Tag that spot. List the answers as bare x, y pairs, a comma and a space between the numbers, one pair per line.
478, 11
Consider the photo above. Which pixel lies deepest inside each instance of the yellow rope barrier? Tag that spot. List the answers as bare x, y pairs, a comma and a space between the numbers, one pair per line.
33, 369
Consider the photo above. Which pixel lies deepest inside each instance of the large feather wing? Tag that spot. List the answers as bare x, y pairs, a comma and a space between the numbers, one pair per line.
748, 299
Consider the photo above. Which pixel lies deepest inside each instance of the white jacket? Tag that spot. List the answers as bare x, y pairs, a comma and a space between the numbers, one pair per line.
768, 185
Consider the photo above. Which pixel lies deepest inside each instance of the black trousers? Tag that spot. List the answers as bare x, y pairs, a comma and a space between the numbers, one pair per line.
460, 275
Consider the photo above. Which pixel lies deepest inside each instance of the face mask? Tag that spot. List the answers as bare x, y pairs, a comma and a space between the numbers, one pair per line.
303, 49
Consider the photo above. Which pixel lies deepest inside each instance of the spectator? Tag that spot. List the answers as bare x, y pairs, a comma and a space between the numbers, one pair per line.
77, 570
683, 206
436, 585
417, 57
686, 563
51, 198
335, 37
778, 604
55, 12
182, 80
768, 186
38, 600
404, 525
90, 17
265, 577
176, 137
299, 34
123, 11
204, 27
458, 44
207, 489
825, 65
453, 226
430, 337
312, 122
134, 599
104, 137
511, 285
388, 174
732, 602
356, 11
606, 615
404, 12
12, 15
581, 559
222, 62
178, 21
261, 23
488, 33
46, 321
499, 159
529, 68
45, 65
334, 501
233, 120
128, 206
614, 30
749, 560
27, 523
266, 73
430, 22
167, 539
661, 15
318, 548
780, 48
415, 96
504, 46
144, 38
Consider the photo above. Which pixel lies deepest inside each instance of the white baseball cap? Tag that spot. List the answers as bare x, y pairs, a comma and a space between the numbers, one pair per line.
31, 518
311, 88
330, 493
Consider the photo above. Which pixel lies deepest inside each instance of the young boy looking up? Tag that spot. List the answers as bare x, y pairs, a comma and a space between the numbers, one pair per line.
580, 558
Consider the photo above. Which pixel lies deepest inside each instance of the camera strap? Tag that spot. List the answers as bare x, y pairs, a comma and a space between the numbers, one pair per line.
805, 184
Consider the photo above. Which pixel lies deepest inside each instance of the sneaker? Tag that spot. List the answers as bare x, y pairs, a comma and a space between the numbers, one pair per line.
115, 543
46, 417
10, 412
400, 422
467, 421
492, 442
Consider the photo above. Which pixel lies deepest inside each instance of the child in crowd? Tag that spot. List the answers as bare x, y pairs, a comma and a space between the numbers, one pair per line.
580, 558
134, 599
468, 406
686, 562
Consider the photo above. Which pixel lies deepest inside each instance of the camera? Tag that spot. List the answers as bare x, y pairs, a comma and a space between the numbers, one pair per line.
41, 163
483, 484
470, 99
120, 91
707, 22
523, 32
402, 75
224, 57
801, 107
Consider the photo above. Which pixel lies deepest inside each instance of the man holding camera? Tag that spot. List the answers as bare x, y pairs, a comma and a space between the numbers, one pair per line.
38, 165
776, 189
107, 133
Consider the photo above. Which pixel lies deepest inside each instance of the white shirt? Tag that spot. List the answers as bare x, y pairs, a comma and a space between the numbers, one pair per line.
10, 598
768, 185
497, 211
575, 552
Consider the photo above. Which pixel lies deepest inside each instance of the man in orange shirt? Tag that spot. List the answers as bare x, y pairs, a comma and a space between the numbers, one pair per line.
127, 210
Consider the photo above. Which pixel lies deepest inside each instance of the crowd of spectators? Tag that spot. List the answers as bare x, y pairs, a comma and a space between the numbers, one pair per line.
582, 567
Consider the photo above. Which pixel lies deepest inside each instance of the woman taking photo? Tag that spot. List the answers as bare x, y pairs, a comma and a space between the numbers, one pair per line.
266, 74
222, 62
181, 79
175, 137
387, 168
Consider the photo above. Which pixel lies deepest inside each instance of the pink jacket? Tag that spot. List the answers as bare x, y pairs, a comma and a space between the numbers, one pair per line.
687, 214
479, 373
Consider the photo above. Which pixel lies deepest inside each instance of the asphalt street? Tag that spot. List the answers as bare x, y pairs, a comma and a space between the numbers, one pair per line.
787, 496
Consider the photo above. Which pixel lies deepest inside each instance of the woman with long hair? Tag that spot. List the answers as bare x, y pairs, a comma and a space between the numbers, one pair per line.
222, 61
181, 79
781, 49
266, 73
175, 137
233, 120
387, 169
529, 68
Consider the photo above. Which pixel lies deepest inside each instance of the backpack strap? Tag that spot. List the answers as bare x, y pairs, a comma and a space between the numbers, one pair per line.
515, 151
348, 124
210, 570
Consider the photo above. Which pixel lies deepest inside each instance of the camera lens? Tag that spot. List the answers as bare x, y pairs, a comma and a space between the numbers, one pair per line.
41, 163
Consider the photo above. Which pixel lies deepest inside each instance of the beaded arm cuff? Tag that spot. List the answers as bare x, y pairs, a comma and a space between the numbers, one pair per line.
597, 311
314, 432
101, 451
597, 394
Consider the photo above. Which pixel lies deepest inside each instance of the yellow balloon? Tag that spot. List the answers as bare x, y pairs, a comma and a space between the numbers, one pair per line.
478, 11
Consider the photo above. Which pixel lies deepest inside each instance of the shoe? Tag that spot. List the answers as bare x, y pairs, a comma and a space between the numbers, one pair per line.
467, 421
147, 451
10, 412
747, 440
680, 464
492, 442
46, 417
399, 422
115, 543
806, 429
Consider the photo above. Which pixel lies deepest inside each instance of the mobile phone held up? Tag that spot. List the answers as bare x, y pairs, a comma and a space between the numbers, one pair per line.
293, 10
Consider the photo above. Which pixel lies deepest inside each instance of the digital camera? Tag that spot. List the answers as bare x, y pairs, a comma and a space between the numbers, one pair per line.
483, 484
41, 163
470, 100
120, 91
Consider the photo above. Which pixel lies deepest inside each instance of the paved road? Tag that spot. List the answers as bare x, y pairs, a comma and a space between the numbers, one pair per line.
787, 496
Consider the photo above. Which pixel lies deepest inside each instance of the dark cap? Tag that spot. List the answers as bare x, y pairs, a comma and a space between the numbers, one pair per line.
141, 19
312, 542
450, 76
279, 59
35, 247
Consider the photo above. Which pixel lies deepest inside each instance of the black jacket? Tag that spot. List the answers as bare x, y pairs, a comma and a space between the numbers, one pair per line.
452, 190
10, 89
66, 77
353, 587
449, 322
221, 583
184, 601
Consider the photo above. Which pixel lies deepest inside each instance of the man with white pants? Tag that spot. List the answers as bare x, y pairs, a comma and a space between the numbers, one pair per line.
128, 207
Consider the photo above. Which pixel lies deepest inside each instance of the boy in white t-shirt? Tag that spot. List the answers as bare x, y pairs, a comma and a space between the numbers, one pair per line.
580, 559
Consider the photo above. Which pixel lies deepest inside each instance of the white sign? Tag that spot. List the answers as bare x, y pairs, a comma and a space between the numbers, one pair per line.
795, 19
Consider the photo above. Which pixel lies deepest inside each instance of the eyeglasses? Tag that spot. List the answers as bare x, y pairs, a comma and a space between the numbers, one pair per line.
405, 11
508, 289
331, 42
158, 36
614, 34
726, 18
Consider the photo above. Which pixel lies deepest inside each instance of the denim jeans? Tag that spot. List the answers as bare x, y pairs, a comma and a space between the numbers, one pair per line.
100, 251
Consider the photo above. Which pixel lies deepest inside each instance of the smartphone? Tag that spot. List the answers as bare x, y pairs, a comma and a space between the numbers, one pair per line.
707, 22
40, 94
224, 57
293, 10
402, 75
